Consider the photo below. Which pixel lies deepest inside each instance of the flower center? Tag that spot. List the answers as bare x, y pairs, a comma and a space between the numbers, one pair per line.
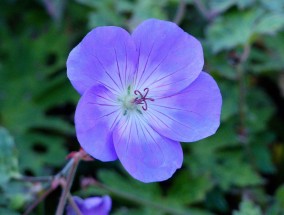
143, 98
135, 101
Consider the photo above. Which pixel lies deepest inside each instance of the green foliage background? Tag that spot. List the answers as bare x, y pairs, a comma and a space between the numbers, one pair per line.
237, 171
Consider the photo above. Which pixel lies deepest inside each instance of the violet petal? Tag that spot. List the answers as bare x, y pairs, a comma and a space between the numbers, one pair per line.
145, 154
169, 58
107, 56
189, 115
96, 114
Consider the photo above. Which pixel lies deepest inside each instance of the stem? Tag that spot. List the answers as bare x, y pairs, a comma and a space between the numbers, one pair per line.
180, 12
200, 6
70, 168
44, 179
35, 179
141, 201
32, 206
65, 191
208, 15
50, 178
65, 170
242, 92
243, 133
73, 204
242, 103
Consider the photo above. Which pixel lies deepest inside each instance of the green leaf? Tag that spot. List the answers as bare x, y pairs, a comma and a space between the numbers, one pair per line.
245, 3
188, 189
8, 157
270, 23
234, 171
280, 196
260, 110
43, 149
215, 200
275, 5
226, 32
272, 59
277, 208
221, 5
104, 13
260, 152
146, 195
130, 185
147, 8
226, 166
18, 201
229, 91
34, 75
248, 208
140, 211
16, 194
8, 211
217, 66
225, 137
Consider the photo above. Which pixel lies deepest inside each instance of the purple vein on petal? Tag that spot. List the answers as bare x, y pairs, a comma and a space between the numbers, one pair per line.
182, 92
110, 100
118, 69
129, 135
142, 130
114, 91
150, 135
115, 120
136, 129
154, 117
153, 138
120, 128
153, 89
137, 65
159, 79
101, 104
145, 65
107, 72
108, 114
141, 127
173, 108
175, 120
126, 61
169, 51
154, 70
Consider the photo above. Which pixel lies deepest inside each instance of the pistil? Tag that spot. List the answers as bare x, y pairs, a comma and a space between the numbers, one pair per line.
143, 98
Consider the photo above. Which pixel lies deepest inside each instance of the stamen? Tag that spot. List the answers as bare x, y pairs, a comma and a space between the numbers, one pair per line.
143, 99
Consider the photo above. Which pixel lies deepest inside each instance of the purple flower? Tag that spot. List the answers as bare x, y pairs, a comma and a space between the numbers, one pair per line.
142, 94
91, 206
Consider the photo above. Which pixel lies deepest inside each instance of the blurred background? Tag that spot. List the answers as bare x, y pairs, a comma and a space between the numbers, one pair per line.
237, 171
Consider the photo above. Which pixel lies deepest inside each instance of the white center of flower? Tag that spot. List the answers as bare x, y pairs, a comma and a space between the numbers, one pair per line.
128, 102
134, 101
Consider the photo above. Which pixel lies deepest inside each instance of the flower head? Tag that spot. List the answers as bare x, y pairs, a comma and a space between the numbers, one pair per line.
91, 206
142, 94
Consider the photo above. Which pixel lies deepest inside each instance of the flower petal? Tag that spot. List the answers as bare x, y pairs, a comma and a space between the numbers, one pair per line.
91, 205
145, 154
169, 58
107, 56
189, 115
80, 204
97, 205
96, 114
